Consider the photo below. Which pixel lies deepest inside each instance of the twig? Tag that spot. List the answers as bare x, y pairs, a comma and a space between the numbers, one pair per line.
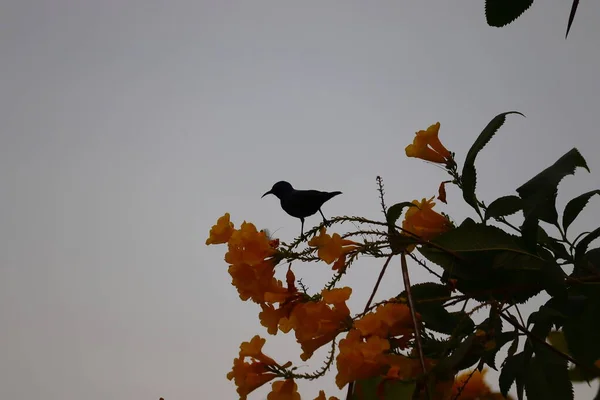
385, 265
378, 282
422, 264
414, 318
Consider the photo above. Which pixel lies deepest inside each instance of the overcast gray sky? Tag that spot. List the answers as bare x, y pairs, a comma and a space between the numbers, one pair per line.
128, 127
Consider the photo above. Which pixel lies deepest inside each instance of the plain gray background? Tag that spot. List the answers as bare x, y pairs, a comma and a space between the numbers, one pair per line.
128, 127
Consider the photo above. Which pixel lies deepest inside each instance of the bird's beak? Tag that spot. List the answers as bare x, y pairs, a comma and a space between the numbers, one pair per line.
269, 192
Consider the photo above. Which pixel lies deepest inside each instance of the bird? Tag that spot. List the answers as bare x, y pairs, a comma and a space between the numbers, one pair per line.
300, 203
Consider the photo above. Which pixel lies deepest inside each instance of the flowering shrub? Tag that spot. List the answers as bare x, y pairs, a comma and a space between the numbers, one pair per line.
415, 345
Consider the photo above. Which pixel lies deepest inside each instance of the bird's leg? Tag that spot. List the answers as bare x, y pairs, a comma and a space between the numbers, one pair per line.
325, 222
302, 229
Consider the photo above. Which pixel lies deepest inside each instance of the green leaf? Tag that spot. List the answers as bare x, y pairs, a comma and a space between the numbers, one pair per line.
469, 176
557, 248
581, 330
395, 211
513, 347
583, 244
575, 206
501, 340
514, 366
429, 299
467, 353
487, 262
376, 388
499, 13
548, 380
539, 193
504, 206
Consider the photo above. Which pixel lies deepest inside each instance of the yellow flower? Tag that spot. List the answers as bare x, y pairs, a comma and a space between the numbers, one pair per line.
427, 146
474, 388
221, 232
331, 248
250, 375
248, 246
423, 221
253, 349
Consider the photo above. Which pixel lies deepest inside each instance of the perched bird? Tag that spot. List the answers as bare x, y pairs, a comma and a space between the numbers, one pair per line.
300, 203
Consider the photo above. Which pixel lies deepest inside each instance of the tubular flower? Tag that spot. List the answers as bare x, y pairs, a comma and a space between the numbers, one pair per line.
221, 232
423, 221
256, 282
271, 316
248, 246
317, 323
359, 358
249, 376
253, 349
331, 248
388, 320
427, 146
284, 390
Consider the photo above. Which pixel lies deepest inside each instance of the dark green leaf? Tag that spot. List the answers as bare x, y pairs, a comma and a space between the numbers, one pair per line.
581, 330
583, 244
428, 290
548, 380
469, 176
513, 347
514, 366
499, 13
501, 340
395, 211
575, 206
429, 299
539, 193
559, 250
376, 388
572, 16
503, 206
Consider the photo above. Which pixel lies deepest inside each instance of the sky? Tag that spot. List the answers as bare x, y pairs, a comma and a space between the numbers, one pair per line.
128, 127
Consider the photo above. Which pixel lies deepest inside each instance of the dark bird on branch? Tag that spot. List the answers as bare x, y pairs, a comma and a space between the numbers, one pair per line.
300, 203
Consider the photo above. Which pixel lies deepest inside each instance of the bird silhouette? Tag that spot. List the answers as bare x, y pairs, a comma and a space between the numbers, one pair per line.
300, 203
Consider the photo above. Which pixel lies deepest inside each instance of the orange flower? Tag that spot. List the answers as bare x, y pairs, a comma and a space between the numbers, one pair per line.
427, 146
284, 390
253, 349
333, 247
321, 396
251, 375
248, 246
221, 232
423, 221
257, 282
388, 320
359, 358
317, 323
473, 388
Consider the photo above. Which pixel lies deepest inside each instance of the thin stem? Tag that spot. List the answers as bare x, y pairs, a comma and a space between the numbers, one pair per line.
385, 265
379, 278
422, 264
413, 315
